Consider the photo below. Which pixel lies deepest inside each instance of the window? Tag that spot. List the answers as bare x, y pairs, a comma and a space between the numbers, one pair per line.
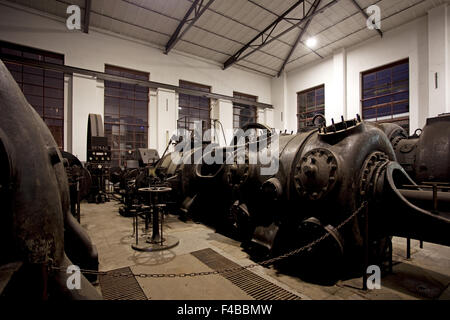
385, 94
310, 103
126, 113
193, 108
244, 114
44, 89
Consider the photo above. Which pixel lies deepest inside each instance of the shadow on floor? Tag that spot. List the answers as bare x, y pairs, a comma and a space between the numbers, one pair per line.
416, 281
152, 258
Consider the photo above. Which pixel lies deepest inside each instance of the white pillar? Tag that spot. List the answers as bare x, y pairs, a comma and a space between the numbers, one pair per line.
279, 102
68, 113
222, 110
268, 117
260, 116
166, 116
153, 120
87, 97
437, 61
337, 105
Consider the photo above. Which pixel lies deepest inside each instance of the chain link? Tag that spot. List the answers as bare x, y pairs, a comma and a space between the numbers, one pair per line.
222, 271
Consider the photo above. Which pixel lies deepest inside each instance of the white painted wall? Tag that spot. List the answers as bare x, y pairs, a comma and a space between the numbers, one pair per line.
425, 41
438, 60
279, 101
403, 42
92, 51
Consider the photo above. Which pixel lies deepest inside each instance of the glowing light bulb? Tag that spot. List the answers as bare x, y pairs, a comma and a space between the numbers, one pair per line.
311, 42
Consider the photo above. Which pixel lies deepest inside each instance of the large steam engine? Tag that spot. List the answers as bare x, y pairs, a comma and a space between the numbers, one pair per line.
39, 236
324, 177
426, 155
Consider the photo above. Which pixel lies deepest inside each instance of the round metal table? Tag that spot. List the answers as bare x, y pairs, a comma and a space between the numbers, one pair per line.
157, 241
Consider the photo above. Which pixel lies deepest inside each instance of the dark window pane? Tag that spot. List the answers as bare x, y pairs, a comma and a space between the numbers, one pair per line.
193, 108
244, 114
385, 92
33, 79
33, 90
310, 103
54, 93
127, 105
35, 101
54, 83
53, 74
17, 76
33, 70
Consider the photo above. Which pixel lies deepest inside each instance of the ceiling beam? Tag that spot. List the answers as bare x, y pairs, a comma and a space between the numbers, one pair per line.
198, 11
239, 55
311, 10
235, 57
87, 15
364, 13
288, 20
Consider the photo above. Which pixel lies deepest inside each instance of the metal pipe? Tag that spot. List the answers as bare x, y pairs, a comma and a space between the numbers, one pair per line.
426, 195
143, 83
366, 246
237, 56
408, 248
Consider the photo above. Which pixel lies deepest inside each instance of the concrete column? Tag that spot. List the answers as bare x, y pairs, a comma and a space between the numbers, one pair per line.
268, 115
87, 97
438, 54
222, 110
337, 105
166, 115
279, 101
68, 113
260, 116
153, 120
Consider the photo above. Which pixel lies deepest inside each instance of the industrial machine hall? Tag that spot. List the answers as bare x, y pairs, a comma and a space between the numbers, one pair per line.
251, 151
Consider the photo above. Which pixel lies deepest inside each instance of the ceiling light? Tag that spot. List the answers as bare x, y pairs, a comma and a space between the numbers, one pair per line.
311, 42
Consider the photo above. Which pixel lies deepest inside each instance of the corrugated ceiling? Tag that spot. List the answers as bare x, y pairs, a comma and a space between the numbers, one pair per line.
228, 25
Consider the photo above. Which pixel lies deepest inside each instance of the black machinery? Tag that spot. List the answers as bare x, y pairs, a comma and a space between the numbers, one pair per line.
79, 182
137, 173
425, 156
98, 158
39, 238
325, 175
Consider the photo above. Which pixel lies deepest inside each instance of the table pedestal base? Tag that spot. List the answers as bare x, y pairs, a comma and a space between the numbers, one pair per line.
149, 245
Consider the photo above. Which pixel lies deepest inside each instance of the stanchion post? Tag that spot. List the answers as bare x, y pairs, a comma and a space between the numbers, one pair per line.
366, 245
137, 227
408, 248
390, 255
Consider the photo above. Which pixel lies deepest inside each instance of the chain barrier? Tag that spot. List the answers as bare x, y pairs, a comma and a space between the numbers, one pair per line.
222, 271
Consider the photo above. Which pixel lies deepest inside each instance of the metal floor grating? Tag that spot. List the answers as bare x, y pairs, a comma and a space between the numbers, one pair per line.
121, 288
249, 282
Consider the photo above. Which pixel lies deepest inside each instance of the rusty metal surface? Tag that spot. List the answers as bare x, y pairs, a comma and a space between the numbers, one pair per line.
121, 288
34, 192
425, 157
324, 174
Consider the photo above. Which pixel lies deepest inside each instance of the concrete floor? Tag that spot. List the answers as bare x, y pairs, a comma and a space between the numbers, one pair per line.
425, 276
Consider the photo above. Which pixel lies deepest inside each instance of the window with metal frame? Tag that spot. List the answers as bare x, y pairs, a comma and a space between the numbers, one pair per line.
385, 94
244, 114
43, 89
126, 113
193, 108
310, 103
